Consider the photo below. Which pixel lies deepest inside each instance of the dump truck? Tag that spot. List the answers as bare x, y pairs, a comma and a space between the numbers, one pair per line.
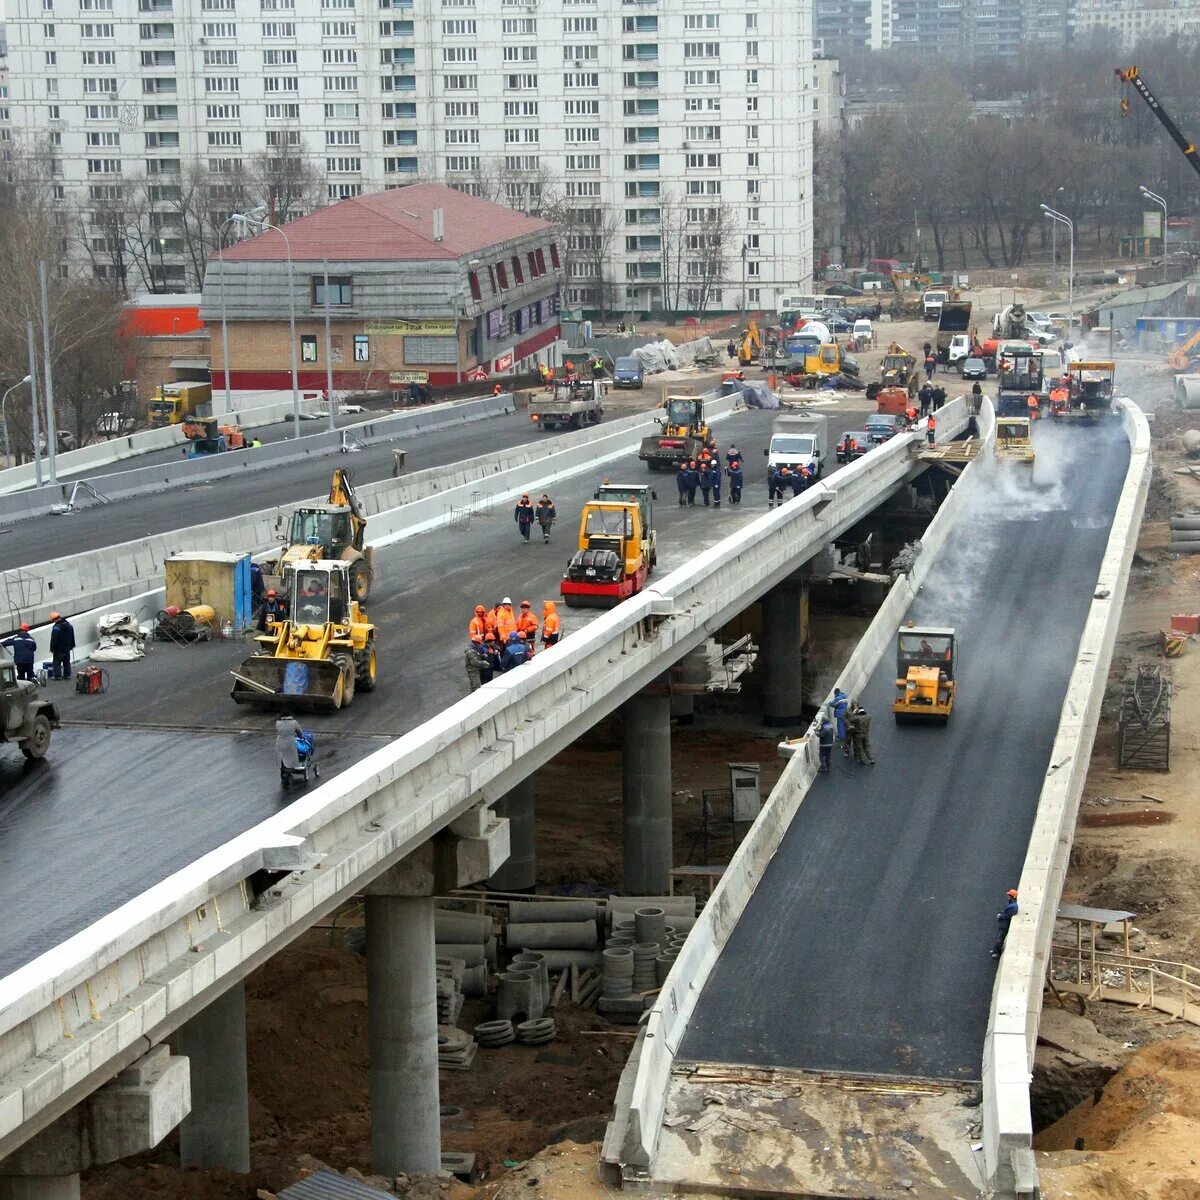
568, 404
798, 440
334, 530
25, 718
954, 321
932, 304
683, 434
614, 555
174, 402
321, 654
926, 662
1014, 442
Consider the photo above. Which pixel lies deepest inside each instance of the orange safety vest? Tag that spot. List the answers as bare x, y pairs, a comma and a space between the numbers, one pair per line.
527, 624
506, 623
550, 626
478, 626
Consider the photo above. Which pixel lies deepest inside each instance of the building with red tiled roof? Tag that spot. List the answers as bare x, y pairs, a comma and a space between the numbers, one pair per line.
426, 285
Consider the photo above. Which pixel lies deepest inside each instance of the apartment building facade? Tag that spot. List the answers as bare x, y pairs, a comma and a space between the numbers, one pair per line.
658, 127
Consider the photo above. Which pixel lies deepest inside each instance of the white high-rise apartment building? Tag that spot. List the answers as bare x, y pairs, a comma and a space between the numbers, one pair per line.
667, 124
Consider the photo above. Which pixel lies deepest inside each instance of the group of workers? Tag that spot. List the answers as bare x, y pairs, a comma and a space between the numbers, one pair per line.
848, 722
572, 371
703, 474
501, 638
23, 646
543, 512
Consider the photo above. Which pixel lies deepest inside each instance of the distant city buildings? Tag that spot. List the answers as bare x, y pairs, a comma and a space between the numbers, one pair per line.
999, 29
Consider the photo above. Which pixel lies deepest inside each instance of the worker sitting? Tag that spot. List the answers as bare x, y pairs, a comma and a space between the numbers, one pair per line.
274, 611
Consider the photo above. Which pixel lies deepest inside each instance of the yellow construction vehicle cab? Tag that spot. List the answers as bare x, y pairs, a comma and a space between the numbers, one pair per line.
926, 661
614, 555
1013, 440
899, 369
684, 432
332, 530
750, 346
320, 655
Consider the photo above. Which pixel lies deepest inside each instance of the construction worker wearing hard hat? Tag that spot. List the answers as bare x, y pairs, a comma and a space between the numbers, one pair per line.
274, 610
478, 625
62, 646
516, 652
527, 624
24, 651
504, 620
551, 626
1004, 919
1031, 403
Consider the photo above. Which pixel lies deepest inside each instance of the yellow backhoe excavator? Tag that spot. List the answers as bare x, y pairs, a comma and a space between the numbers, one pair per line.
334, 530
750, 346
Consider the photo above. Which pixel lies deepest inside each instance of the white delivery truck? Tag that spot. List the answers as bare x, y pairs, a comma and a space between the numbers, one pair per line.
798, 440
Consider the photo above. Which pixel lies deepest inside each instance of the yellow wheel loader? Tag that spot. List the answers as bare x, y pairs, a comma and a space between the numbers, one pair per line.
334, 530
321, 654
926, 661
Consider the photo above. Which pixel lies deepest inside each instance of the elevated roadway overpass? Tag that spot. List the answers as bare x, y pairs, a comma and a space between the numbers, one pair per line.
95, 1002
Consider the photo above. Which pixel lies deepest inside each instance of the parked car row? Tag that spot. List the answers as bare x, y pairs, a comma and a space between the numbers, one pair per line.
877, 429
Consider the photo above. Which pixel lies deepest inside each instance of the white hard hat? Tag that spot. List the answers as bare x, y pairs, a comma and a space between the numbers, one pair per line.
506, 600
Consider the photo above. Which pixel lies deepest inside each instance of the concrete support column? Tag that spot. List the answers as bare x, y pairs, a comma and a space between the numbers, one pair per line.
519, 873
646, 788
216, 1133
402, 1024
39, 1187
781, 655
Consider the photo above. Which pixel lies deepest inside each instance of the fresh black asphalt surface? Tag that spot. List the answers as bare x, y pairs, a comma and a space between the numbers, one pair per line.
147, 805
24, 543
866, 946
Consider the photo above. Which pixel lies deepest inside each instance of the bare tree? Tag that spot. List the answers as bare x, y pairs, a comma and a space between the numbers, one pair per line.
708, 242
586, 231
672, 223
286, 180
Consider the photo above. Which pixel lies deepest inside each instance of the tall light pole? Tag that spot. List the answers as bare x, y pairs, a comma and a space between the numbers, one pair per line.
224, 322
261, 223
1060, 219
33, 388
48, 380
1155, 198
4, 413
328, 353
745, 250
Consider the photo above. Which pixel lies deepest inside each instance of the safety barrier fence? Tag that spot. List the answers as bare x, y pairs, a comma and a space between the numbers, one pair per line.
632, 1136
1017, 996
397, 508
1096, 974
141, 481
130, 445
73, 1017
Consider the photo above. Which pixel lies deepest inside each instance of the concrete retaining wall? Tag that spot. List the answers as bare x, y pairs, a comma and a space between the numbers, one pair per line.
15, 479
632, 1136
140, 481
1017, 997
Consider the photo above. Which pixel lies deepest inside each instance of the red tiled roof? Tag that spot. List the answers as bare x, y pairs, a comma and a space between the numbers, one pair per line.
392, 225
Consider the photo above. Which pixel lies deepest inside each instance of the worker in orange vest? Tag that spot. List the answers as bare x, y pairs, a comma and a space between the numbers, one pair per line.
479, 623
931, 429
504, 620
527, 623
551, 627
1032, 405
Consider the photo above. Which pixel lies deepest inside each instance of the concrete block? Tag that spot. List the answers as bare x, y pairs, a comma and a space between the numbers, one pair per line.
473, 823
128, 1118
466, 860
39, 1187
411, 876
625, 1010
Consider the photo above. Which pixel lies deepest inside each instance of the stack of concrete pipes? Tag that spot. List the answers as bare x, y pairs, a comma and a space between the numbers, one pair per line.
466, 938
641, 947
566, 932
1185, 529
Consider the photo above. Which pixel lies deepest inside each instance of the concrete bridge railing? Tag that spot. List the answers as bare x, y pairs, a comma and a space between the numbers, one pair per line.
1017, 997
75, 1016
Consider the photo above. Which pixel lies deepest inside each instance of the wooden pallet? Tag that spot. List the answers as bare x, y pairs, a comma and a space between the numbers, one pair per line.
1144, 729
951, 452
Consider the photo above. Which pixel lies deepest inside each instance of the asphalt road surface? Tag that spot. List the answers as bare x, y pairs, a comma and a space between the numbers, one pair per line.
108, 813
27, 542
118, 765
866, 946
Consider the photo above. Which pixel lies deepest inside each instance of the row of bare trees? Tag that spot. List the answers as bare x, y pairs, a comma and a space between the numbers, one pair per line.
951, 180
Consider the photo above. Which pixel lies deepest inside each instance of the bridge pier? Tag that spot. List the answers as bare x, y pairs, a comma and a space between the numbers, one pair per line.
782, 633
519, 872
39, 1187
216, 1133
406, 1136
646, 791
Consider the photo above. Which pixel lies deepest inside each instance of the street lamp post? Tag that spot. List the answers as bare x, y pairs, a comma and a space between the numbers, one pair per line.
745, 251
4, 413
264, 224
1060, 219
1155, 198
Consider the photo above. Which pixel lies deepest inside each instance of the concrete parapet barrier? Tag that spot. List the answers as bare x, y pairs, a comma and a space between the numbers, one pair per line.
1017, 996
78, 1013
633, 1134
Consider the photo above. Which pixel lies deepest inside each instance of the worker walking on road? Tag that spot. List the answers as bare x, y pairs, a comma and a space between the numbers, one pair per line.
859, 723
925, 395
524, 516
551, 625
931, 429
24, 651
477, 663
62, 646
930, 364
546, 516
736, 479
1004, 919
976, 398
825, 737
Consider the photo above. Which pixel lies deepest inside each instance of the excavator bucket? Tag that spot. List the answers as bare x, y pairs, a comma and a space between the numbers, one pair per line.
314, 685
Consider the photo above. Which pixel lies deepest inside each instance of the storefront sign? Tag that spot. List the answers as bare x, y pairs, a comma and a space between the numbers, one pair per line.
477, 374
417, 328
503, 362
408, 377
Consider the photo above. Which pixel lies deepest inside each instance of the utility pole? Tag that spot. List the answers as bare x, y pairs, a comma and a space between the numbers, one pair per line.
33, 390
328, 353
51, 427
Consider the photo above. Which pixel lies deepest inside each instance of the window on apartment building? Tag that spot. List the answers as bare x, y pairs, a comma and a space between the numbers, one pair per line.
577, 80
459, 27
702, 133
338, 83
395, 29
752, 104
460, 83
752, 20
582, 162
52, 87
399, 137
219, 83
162, 141
103, 31
701, 49
104, 166
95, 5
111, 141
92, 85
703, 160
456, 109
581, 134
520, 83
272, 30
100, 112
223, 112
341, 112
462, 162
341, 137
219, 29
701, 78
752, 160
218, 138
580, 24
752, 77
277, 5
702, 21
523, 108
51, 57
280, 58
217, 5
279, 139
581, 53
462, 137
518, 26
459, 54
327, 4
753, 187
529, 135
338, 29
150, 58
342, 56
282, 112
513, 54
752, 133
751, 49
342, 191
218, 58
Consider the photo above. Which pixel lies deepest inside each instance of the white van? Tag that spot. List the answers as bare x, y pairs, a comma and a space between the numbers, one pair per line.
864, 332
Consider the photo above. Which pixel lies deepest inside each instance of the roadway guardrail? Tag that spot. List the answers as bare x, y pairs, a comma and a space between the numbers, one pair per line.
79, 1013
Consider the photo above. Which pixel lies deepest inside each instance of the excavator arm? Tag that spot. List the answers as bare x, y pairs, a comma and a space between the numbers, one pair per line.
1133, 77
342, 493
1181, 356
